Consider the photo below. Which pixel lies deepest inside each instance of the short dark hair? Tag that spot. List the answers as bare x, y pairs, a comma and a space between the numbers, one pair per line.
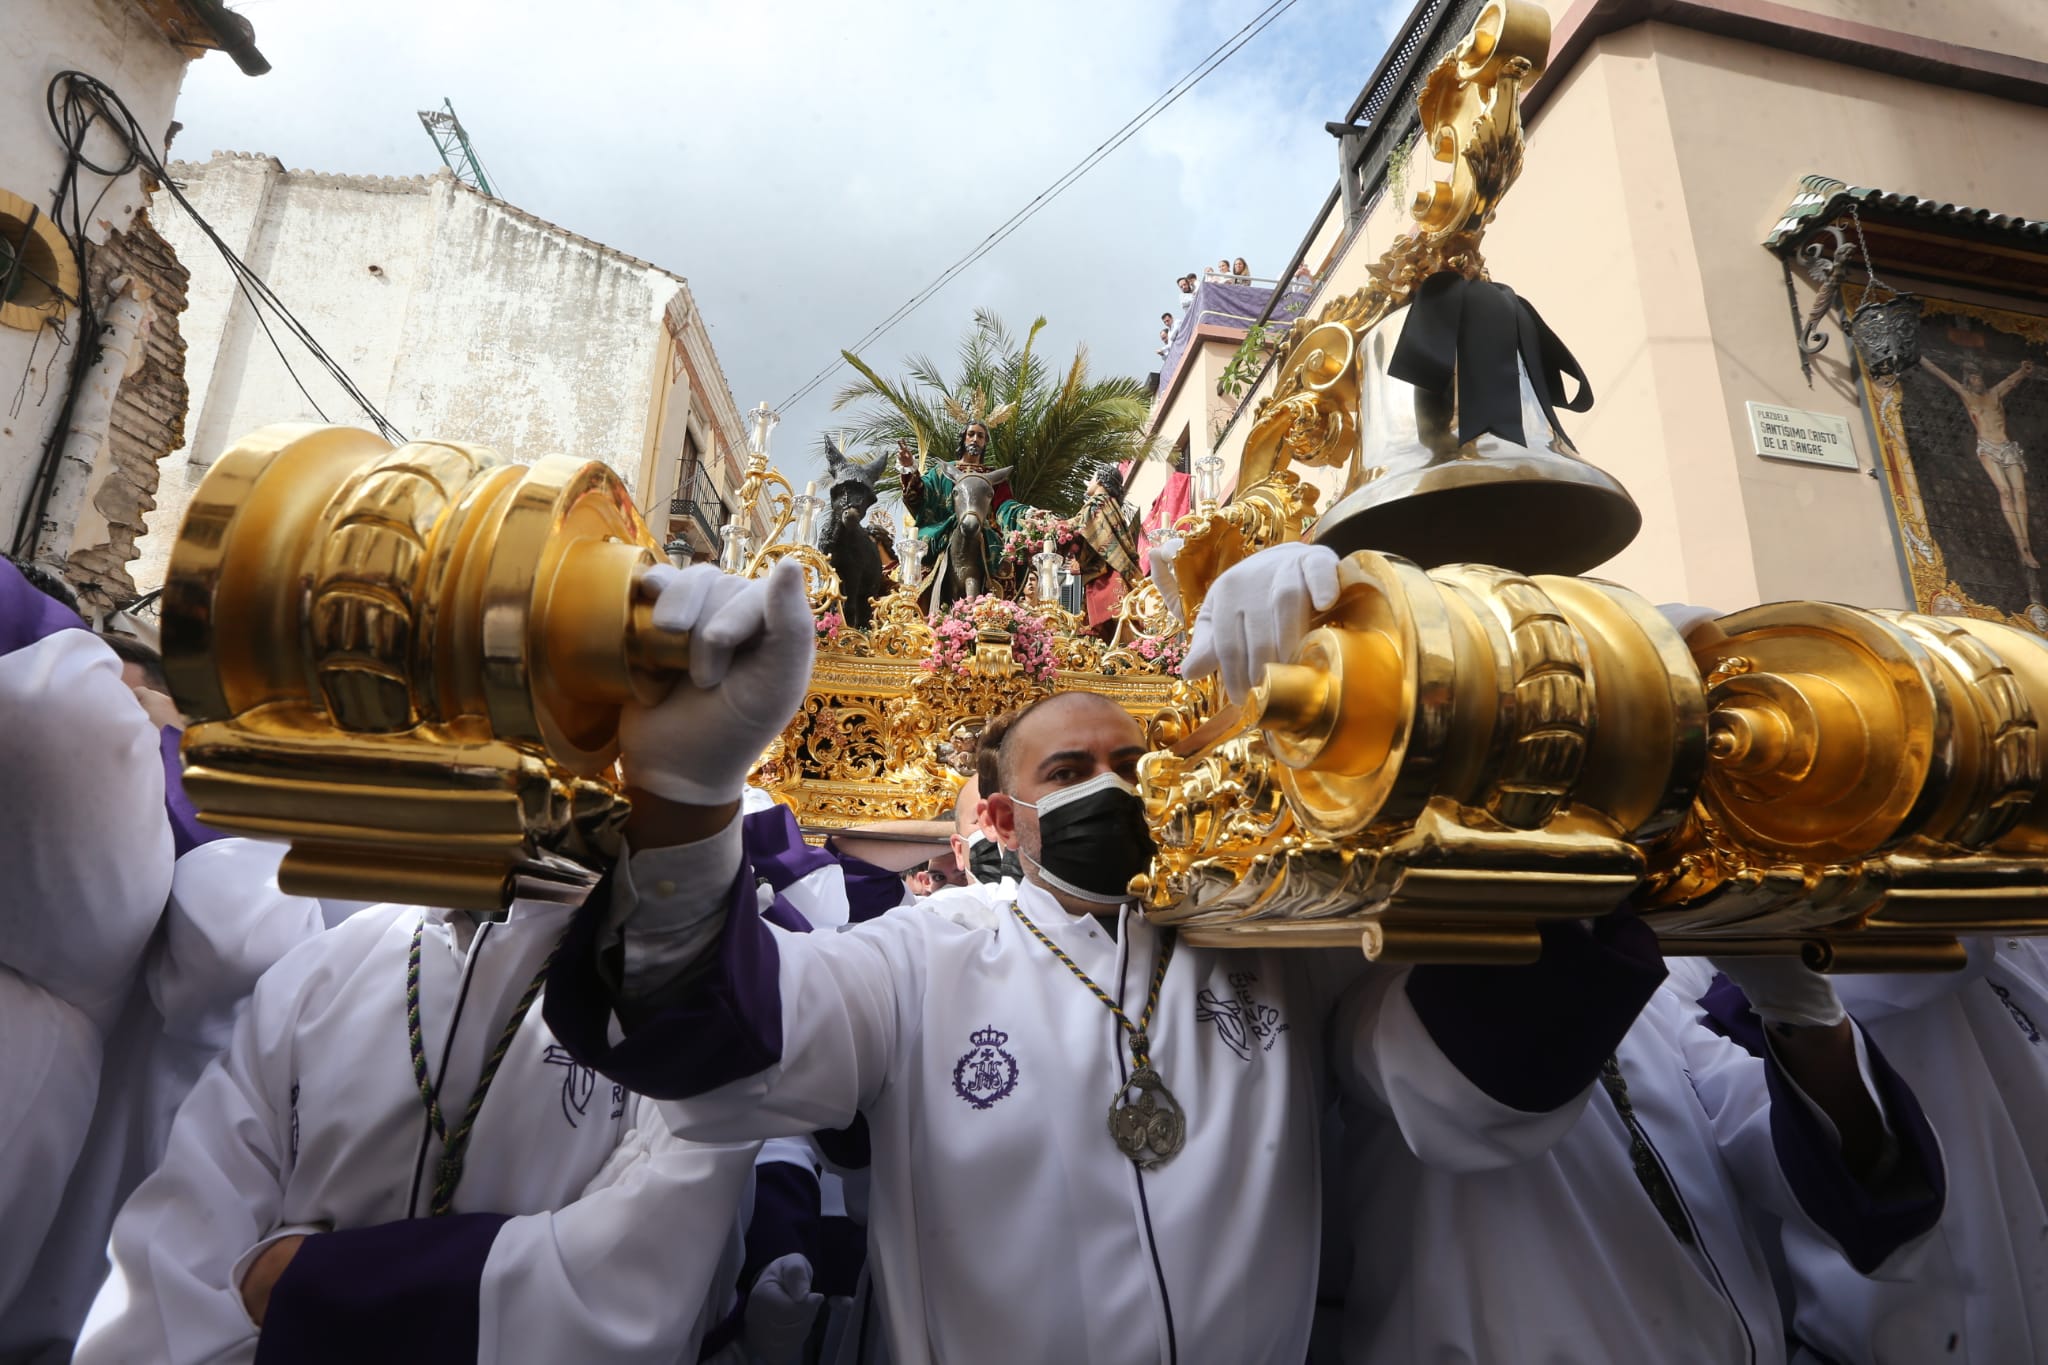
987, 752
133, 651
1006, 745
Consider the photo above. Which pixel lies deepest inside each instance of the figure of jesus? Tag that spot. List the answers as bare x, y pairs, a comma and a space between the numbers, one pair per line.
1997, 451
928, 497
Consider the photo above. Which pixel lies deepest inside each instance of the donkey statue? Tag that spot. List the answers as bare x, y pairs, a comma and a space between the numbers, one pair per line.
970, 550
845, 540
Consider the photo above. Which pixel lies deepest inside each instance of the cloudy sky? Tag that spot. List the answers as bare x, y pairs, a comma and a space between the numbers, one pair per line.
809, 166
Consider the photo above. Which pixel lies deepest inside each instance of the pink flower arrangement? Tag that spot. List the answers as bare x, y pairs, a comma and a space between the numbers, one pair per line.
1037, 524
829, 625
1028, 537
956, 628
1166, 655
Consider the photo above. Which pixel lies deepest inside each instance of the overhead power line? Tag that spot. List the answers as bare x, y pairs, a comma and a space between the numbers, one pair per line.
1222, 53
77, 103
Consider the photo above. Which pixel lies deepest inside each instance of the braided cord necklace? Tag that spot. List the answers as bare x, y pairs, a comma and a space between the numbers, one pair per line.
455, 1145
1649, 1171
1152, 1128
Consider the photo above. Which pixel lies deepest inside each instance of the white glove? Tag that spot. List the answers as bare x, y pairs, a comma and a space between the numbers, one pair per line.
780, 1311
751, 643
1782, 991
1162, 576
1257, 612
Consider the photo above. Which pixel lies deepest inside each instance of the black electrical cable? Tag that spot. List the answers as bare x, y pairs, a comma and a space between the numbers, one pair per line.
1222, 53
72, 123
76, 102
1051, 192
252, 286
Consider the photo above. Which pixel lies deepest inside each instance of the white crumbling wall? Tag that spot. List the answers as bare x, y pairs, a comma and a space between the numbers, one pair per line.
457, 315
115, 41
146, 421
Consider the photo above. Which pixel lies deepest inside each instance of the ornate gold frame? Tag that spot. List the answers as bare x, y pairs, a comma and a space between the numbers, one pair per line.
1926, 566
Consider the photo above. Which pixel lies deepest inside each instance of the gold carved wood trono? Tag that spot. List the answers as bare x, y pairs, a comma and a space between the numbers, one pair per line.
410, 664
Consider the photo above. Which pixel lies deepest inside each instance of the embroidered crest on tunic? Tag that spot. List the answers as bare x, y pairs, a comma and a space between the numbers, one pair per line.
578, 1083
1241, 1022
987, 1072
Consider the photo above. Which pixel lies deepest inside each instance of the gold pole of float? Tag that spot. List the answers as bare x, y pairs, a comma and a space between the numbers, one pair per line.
410, 665
1458, 753
1453, 757
409, 662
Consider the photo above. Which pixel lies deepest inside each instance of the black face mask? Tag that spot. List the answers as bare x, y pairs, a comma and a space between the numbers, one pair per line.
989, 862
1092, 839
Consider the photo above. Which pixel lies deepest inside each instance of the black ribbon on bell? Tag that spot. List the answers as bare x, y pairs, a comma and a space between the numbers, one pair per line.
1473, 331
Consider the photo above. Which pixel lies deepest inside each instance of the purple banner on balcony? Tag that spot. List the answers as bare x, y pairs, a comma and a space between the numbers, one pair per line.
1221, 306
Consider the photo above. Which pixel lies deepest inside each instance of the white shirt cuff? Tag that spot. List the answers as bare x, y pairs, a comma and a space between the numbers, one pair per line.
668, 907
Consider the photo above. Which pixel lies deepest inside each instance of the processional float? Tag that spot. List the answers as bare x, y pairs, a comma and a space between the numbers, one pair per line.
409, 664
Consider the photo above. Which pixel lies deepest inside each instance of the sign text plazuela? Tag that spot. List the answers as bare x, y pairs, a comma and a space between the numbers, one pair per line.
1807, 437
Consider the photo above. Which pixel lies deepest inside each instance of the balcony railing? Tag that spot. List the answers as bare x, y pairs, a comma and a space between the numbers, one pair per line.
1229, 309
696, 513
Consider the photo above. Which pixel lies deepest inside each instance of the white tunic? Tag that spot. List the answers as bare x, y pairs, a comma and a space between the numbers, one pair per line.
1563, 1257
225, 924
618, 1232
1005, 1223
957, 1043
87, 859
1972, 1044
977, 905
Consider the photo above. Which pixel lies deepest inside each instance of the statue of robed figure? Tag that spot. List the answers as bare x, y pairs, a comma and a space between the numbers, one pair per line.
962, 508
1108, 555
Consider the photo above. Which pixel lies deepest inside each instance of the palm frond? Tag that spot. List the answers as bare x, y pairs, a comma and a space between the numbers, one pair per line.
1061, 428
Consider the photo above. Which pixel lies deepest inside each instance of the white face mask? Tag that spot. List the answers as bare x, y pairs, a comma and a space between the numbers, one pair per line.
1092, 839
1080, 791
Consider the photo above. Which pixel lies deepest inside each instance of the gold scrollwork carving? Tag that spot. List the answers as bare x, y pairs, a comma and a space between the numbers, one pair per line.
1471, 140
882, 728
1464, 752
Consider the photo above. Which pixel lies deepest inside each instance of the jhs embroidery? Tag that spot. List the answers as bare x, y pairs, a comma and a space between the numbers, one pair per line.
578, 1082
987, 1072
2019, 1015
1241, 1023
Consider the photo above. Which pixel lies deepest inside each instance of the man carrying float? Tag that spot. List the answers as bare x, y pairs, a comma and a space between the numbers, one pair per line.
1097, 1123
